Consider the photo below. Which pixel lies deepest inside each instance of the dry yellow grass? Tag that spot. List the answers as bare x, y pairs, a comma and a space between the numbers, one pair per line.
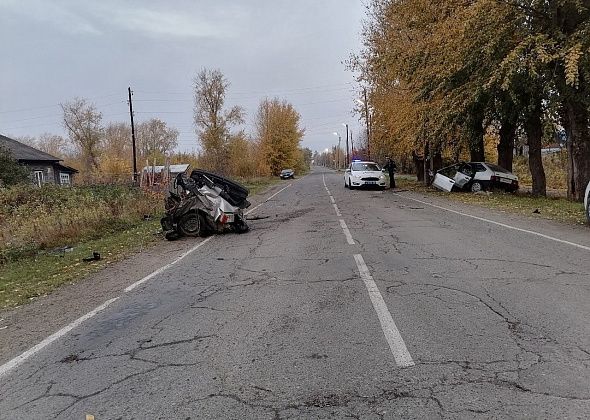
38, 218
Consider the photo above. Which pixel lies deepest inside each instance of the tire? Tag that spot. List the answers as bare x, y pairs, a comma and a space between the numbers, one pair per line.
345, 184
588, 208
476, 187
190, 224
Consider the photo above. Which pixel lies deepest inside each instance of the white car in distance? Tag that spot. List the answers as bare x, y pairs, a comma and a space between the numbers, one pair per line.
364, 174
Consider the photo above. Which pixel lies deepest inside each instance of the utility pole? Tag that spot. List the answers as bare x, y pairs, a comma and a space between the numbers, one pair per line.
133, 136
367, 122
338, 153
347, 156
351, 146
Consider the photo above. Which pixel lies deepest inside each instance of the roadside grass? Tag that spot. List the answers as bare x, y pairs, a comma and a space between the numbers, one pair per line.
25, 279
259, 184
31, 269
549, 208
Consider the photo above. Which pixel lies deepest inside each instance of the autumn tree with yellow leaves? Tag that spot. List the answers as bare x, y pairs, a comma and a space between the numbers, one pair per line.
278, 135
442, 76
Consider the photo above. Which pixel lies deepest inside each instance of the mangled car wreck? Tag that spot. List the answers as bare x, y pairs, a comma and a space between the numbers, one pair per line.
475, 177
204, 203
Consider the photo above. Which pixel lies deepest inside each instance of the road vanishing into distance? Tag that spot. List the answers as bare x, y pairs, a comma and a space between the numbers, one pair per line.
337, 304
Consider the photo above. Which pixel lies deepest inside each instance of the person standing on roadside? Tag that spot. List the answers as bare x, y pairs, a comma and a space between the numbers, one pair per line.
391, 168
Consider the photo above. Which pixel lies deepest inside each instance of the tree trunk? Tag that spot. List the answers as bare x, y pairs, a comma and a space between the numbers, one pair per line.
476, 145
419, 164
578, 147
437, 161
427, 170
534, 132
506, 145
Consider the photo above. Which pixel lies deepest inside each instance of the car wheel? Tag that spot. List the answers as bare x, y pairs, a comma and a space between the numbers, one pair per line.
345, 184
588, 208
190, 224
476, 187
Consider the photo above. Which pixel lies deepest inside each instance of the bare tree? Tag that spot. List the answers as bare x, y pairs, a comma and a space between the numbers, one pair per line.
212, 122
155, 139
53, 144
117, 140
83, 123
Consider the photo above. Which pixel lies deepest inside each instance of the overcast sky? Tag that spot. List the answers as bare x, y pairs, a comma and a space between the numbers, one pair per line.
55, 50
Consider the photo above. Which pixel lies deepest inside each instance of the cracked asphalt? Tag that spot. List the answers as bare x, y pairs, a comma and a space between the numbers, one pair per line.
278, 324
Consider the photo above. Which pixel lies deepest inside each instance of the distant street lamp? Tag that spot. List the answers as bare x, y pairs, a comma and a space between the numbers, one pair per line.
338, 150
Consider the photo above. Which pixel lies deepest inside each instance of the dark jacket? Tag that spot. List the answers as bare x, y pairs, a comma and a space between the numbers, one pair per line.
391, 167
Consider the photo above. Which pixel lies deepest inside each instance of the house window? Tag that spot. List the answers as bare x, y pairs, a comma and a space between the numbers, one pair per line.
39, 178
64, 178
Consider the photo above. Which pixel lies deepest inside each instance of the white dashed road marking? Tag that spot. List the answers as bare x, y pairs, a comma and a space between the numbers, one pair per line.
392, 335
337, 211
346, 232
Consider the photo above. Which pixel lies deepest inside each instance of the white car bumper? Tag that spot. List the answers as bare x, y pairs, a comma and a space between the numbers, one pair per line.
355, 182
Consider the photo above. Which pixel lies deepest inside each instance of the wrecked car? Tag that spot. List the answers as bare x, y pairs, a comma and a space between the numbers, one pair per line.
475, 177
202, 204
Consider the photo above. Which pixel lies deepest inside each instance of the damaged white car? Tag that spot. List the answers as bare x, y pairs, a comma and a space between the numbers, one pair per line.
475, 177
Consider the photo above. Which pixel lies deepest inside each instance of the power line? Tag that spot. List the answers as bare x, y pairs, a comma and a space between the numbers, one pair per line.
308, 88
54, 105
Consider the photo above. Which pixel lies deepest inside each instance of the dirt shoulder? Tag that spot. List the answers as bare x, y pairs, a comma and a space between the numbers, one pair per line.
24, 326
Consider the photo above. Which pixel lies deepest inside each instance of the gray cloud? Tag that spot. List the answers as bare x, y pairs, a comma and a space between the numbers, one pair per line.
54, 51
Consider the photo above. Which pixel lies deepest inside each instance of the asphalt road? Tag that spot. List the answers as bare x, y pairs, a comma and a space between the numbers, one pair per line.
337, 304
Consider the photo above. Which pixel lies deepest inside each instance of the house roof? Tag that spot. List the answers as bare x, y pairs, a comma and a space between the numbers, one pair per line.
22, 152
174, 169
64, 168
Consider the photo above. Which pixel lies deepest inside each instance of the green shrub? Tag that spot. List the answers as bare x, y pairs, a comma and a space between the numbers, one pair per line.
33, 218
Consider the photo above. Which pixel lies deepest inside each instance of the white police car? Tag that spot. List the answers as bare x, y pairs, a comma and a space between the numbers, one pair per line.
364, 174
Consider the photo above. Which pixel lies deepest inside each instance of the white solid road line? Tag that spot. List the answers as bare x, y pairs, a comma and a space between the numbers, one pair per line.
268, 199
392, 335
11, 364
332, 200
167, 266
8, 366
346, 232
587, 248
